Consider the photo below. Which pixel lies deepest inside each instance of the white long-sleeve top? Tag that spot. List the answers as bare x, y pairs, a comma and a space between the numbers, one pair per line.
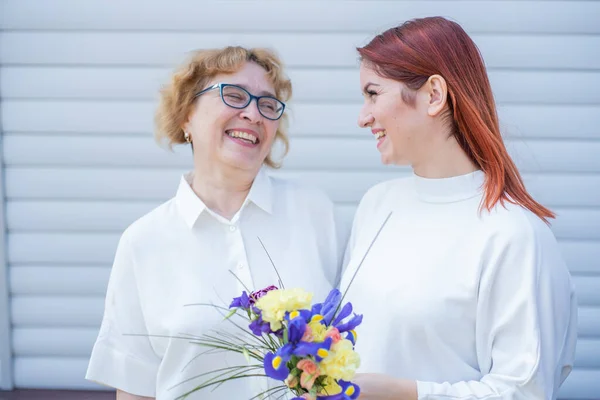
471, 305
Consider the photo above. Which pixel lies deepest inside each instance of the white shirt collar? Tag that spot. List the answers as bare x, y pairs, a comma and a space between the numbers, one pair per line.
448, 190
191, 206
261, 192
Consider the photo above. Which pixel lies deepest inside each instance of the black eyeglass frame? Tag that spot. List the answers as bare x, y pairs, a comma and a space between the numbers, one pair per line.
251, 97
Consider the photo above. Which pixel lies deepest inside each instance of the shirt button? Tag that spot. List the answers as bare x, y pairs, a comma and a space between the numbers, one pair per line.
232, 228
240, 267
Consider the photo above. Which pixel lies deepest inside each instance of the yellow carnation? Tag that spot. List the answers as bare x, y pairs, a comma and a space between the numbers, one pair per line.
330, 387
342, 361
276, 303
318, 331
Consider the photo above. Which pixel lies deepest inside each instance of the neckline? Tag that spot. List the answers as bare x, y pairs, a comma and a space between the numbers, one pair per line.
449, 190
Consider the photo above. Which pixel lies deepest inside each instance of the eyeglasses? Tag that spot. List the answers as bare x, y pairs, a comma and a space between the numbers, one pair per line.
237, 97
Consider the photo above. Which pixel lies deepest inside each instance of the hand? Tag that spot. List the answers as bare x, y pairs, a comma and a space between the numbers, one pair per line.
384, 387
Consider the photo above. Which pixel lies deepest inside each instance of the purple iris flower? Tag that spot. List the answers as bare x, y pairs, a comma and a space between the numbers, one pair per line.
241, 302
276, 363
258, 326
350, 324
330, 306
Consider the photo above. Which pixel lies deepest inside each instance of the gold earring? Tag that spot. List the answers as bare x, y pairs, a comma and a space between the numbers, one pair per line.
187, 137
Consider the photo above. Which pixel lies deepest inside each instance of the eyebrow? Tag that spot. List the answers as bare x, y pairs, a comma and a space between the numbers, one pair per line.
366, 87
263, 93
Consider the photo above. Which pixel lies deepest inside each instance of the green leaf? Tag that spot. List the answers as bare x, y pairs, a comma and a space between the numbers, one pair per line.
231, 314
247, 355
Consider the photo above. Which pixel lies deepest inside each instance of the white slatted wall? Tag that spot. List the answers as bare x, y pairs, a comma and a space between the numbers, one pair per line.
5, 328
79, 82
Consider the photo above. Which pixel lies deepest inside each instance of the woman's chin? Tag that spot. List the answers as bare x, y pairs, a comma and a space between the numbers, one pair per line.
387, 159
391, 160
245, 162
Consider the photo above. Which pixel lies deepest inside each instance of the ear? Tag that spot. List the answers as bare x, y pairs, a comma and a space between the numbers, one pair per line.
186, 126
437, 91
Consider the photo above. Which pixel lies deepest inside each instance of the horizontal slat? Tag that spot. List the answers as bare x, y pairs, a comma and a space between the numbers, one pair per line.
581, 256
118, 117
588, 294
522, 87
55, 342
564, 189
554, 190
77, 280
578, 223
111, 216
306, 15
541, 156
568, 121
589, 322
321, 153
53, 373
96, 248
78, 342
92, 216
587, 353
296, 49
57, 311
82, 280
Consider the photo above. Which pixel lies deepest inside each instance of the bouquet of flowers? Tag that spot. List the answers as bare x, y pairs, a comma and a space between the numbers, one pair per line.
308, 347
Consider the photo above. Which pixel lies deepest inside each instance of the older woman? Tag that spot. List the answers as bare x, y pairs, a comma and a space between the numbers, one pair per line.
205, 245
466, 293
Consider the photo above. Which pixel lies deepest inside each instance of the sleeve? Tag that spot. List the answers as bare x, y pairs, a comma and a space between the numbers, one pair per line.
122, 356
525, 323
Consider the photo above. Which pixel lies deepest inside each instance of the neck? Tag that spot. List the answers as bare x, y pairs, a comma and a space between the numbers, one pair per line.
443, 159
223, 189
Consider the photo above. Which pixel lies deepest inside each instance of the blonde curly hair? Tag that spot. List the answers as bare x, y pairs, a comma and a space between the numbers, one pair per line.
178, 96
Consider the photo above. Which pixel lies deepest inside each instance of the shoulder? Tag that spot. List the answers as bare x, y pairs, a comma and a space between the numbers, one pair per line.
515, 237
513, 223
520, 248
152, 225
375, 206
384, 195
302, 195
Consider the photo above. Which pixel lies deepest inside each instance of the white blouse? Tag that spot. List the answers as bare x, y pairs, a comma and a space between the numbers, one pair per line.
470, 305
182, 253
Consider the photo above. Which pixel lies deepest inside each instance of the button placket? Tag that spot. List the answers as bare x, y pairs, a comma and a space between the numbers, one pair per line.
240, 268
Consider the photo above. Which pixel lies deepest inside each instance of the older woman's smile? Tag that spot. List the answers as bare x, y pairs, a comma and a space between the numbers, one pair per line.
246, 137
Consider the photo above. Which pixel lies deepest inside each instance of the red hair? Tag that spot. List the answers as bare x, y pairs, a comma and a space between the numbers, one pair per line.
420, 48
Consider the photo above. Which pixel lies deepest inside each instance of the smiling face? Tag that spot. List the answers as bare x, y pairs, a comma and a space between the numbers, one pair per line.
399, 117
223, 135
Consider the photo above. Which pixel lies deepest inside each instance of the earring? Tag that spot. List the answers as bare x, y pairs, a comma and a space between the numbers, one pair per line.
187, 137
